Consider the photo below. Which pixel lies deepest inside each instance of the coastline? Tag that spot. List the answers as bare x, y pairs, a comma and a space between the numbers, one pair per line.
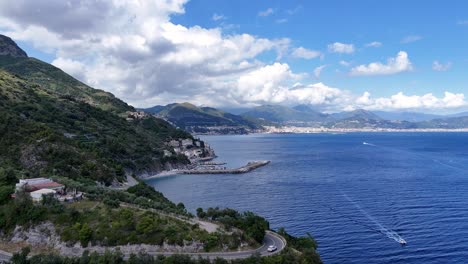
312, 130
315, 130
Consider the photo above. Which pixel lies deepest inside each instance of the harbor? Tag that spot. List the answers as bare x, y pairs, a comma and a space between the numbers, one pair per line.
223, 170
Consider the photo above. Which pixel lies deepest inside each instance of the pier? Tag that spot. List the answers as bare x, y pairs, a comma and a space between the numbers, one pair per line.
244, 169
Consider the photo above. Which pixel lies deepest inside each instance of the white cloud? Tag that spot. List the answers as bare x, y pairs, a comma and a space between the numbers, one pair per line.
70, 66
318, 71
338, 47
345, 63
410, 39
437, 66
374, 44
217, 17
400, 63
132, 49
266, 12
400, 101
304, 53
281, 21
135, 51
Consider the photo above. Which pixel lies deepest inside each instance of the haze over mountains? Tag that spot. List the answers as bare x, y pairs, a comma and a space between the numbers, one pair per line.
210, 120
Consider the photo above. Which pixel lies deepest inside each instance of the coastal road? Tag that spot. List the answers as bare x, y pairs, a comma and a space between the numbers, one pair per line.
271, 238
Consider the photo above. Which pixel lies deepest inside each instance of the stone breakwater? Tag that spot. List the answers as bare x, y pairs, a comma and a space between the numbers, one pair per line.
244, 169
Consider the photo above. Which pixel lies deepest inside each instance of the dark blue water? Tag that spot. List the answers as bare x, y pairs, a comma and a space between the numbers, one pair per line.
354, 198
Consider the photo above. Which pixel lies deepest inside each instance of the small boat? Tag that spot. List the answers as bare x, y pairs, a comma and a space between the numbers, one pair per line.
402, 241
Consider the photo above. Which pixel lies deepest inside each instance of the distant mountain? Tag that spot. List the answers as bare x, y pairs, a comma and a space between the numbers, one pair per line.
203, 119
300, 115
458, 114
407, 116
356, 114
446, 123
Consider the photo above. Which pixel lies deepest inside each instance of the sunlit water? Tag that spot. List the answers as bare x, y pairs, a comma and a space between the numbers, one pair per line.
357, 194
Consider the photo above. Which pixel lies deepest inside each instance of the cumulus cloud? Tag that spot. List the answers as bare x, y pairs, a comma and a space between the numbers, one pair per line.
400, 101
318, 71
304, 53
410, 39
266, 12
437, 66
134, 50
400, 63
338, 47
374, 44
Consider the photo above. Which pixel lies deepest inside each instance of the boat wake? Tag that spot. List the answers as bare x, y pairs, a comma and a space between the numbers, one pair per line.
380, 228
368, 144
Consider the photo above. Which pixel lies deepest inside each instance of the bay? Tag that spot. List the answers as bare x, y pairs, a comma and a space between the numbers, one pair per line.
355, 193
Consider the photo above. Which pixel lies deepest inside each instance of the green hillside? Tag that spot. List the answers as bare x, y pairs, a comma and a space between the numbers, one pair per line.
200, 119
46, 133
59, 83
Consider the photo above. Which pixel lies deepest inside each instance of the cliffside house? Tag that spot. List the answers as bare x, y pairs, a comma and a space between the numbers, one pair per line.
38, 187
35, 184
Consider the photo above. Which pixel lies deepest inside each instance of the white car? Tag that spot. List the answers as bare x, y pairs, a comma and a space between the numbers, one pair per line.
271, 248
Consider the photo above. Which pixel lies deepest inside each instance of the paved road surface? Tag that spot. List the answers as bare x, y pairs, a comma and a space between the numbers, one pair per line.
270, 239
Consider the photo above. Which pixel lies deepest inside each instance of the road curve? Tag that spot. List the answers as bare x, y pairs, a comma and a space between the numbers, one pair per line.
271, 238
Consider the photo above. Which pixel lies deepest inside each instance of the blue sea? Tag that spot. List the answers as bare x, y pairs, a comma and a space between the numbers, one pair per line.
356, 193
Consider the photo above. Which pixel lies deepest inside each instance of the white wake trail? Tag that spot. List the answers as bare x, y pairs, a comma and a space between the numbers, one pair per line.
382, 229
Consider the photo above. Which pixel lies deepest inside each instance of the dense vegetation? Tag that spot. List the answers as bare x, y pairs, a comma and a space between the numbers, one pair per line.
108, 224
253, 225
287, 256
46, 134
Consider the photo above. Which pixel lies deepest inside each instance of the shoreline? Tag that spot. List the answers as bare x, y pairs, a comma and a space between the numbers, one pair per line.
304, 130
314, 130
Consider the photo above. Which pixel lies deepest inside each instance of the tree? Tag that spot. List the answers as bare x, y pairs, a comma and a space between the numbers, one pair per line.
7, 176
85, 235
5, 194
21, 257
200, 213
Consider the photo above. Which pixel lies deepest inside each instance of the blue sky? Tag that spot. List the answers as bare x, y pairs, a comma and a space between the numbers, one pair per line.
334, 55
315, 24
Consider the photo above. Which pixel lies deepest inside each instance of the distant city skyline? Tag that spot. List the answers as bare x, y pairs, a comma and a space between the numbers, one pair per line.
332, 55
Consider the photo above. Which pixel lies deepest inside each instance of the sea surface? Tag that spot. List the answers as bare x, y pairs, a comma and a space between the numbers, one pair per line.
355, 193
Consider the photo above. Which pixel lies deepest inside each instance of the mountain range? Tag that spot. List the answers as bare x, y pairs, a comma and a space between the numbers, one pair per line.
204, 120
210, 120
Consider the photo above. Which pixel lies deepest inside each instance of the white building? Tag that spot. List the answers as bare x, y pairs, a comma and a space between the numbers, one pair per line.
38, 195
